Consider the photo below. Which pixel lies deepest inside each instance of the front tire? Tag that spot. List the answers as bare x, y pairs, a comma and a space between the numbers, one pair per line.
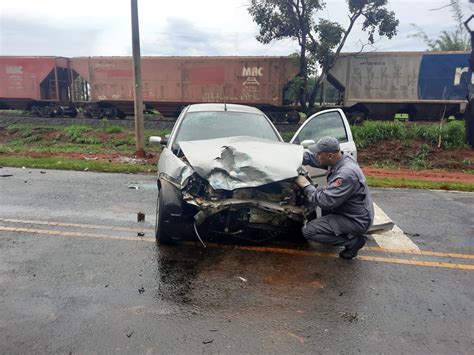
160, 233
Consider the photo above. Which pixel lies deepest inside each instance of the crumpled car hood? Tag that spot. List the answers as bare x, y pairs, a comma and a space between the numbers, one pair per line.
237, 162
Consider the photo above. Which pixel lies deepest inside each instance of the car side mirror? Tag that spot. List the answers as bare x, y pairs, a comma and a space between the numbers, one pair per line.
158, 140
307, 142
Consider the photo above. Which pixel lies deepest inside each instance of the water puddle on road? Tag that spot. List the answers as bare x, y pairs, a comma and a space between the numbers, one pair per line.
179, 267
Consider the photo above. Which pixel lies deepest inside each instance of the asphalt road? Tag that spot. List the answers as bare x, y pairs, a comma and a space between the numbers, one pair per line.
76, 277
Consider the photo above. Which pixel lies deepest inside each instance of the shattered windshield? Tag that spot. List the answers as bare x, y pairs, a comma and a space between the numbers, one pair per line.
209, 125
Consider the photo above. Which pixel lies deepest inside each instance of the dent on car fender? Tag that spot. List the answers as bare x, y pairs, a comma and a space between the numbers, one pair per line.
177, 171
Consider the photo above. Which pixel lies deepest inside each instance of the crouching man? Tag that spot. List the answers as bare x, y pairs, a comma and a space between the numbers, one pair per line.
345, 202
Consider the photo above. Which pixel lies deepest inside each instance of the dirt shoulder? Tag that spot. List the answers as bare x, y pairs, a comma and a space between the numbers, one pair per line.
424, 175
417, 160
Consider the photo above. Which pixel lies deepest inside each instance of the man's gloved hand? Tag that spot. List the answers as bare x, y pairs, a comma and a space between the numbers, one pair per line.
301, 181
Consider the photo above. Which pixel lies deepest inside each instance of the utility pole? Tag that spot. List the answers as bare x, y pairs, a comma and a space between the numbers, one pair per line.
137, 82
469, 113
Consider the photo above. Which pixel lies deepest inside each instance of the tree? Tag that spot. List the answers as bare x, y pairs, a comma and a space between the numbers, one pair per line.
320, 40
455, 40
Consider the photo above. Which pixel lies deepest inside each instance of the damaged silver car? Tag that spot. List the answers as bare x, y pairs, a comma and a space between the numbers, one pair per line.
225, 171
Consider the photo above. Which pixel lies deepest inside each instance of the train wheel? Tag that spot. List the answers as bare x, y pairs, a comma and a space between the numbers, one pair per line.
121, 114
45, 111
110, 112
97, 112
35, 110
87, 112
56, 111
72, 112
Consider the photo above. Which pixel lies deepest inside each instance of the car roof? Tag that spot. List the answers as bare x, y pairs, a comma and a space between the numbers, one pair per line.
223, 107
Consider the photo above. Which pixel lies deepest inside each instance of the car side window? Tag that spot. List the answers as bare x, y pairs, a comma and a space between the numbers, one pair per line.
325, 124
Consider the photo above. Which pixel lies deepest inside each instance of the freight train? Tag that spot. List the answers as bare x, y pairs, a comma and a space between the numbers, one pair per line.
103, 86
423, 85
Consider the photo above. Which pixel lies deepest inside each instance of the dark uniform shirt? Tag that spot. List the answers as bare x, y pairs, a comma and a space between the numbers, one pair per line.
346, 192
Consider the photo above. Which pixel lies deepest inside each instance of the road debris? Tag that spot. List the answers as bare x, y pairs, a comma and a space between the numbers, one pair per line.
293, 335
42, 172
141, 290
131, 160
6, 175
140, 217
242, 279
208, 341
140, 234
351, 317
130, 333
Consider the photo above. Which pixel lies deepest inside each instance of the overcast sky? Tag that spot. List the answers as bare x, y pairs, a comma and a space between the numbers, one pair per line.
183, 27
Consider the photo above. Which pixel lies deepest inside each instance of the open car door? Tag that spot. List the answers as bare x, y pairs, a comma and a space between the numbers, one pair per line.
333, 122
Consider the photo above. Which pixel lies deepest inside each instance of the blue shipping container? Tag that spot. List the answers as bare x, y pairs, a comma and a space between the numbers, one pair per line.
444, 77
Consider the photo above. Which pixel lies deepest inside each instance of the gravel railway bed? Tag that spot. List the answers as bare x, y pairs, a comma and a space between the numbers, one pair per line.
128, 122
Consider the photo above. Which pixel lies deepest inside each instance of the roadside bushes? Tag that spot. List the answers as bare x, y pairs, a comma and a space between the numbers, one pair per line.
371, 132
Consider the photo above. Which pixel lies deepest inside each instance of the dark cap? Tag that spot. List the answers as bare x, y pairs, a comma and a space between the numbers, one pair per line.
326, 145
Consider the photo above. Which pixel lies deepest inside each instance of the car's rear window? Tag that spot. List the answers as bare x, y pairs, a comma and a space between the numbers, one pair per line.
208, 125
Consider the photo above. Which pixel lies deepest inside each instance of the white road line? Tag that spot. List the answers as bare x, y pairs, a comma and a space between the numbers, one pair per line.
393, 239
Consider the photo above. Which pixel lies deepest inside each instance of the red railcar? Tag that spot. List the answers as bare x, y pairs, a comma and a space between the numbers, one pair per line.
103, 86
37, 83
169, 83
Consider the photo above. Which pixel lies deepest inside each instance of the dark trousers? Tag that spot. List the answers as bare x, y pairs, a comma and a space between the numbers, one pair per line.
334, 229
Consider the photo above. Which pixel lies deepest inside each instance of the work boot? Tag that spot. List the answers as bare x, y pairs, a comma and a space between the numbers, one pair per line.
351, 251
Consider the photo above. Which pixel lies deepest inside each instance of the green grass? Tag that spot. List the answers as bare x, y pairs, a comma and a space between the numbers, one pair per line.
71, 139
386, 164
419, 160
371, 132
74, 139
418, 184
113, 129
68, 164
68, 148
287, 136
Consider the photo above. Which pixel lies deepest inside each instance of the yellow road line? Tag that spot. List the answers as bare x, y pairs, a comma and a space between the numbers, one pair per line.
73, 234
417, 262
249, 248
421, 252
137, 229
76, 225
361, 257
